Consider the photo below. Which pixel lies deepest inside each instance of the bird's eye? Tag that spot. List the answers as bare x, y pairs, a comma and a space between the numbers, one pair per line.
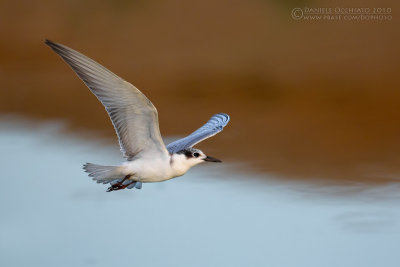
196, 155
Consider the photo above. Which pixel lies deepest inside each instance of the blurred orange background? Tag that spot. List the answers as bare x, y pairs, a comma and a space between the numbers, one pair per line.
308, 99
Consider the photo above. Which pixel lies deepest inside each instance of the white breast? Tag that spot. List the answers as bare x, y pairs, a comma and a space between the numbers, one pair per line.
156, 169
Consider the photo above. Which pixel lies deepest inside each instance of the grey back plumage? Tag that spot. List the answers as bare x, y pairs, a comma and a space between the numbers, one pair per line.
134, 117
211, 128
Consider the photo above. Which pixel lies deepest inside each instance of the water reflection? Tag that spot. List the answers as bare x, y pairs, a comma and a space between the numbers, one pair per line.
54, 215
367, 222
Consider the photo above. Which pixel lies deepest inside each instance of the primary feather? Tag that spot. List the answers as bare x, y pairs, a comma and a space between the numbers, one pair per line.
134, 117
211, 128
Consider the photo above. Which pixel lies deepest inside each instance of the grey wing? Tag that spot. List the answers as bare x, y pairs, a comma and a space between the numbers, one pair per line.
212, 127
134, 117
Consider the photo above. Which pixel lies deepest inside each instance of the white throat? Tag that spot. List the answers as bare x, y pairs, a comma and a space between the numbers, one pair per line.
180, 164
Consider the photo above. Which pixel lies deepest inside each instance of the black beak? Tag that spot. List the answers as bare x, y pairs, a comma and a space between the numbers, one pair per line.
211, 159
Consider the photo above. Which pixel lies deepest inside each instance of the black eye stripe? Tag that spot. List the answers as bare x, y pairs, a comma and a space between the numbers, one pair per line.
190, 153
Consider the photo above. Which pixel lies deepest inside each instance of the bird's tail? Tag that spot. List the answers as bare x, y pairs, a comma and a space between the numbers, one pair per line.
103, 174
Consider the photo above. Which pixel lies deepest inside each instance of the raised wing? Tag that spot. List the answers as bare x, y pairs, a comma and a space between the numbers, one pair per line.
134, 117
212, 127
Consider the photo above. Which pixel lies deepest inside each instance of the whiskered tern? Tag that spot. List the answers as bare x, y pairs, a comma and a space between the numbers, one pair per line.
135, 120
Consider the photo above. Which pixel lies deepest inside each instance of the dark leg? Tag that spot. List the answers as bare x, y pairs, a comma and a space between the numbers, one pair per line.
120, 185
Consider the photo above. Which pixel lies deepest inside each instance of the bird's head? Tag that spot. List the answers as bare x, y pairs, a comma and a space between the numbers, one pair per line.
193, 156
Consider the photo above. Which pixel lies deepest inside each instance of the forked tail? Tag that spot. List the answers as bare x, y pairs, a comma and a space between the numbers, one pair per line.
103, 174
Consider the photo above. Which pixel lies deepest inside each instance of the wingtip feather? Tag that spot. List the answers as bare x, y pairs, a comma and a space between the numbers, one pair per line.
49, 43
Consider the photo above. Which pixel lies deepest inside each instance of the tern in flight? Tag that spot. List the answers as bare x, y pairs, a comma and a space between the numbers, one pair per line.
135, 120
